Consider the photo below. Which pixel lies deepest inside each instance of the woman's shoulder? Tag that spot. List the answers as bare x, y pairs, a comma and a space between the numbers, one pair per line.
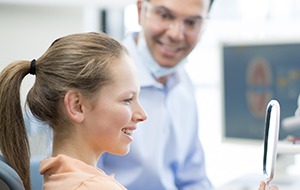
100, 182
63, 172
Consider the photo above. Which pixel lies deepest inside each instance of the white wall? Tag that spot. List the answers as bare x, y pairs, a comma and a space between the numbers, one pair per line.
29, 26
28, 30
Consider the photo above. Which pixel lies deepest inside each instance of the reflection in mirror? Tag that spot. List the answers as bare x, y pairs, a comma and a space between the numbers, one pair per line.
272, 119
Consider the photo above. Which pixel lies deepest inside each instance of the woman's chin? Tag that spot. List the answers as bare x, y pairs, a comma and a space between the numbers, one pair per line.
123, 151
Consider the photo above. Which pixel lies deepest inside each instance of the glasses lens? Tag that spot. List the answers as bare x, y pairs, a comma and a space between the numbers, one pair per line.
164, 18
159, 15
193, 25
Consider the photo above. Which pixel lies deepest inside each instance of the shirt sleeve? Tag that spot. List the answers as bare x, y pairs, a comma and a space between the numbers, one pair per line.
190, 168
191, 174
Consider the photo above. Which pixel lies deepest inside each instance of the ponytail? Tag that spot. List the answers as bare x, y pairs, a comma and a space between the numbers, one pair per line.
14, 143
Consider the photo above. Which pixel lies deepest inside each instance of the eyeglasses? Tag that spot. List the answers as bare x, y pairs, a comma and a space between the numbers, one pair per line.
166, 19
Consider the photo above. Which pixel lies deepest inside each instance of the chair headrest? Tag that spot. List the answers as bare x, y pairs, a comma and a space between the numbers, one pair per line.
9, 176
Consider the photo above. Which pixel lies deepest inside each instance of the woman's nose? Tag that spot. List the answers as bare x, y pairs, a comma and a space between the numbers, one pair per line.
140, 115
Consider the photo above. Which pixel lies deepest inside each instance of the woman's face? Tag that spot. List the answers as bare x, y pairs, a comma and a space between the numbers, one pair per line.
111, 120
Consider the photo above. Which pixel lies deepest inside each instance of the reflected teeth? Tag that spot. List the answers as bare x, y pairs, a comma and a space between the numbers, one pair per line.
128, 131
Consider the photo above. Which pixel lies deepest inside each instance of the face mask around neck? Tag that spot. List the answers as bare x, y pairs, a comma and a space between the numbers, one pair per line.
157, 70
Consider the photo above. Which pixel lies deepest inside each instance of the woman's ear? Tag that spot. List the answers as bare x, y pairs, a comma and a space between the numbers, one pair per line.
73, 105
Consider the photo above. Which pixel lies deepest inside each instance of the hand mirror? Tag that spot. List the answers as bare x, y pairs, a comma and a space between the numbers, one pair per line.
272, 120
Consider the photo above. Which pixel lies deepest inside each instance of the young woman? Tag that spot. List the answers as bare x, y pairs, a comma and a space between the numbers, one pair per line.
86, 89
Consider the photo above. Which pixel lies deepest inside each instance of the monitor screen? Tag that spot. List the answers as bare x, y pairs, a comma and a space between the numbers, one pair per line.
253, 74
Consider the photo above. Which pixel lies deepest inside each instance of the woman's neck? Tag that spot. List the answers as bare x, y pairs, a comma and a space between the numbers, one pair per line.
75, 149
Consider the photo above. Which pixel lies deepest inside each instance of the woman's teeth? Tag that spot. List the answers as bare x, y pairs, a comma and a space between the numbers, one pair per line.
128, 131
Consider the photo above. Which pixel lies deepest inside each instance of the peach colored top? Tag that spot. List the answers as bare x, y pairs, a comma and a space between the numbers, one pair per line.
66, 173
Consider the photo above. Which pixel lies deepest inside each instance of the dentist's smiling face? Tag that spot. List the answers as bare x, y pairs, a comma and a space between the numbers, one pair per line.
172, 28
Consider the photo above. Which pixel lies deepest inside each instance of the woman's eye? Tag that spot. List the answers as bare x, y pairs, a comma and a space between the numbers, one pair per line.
128, 101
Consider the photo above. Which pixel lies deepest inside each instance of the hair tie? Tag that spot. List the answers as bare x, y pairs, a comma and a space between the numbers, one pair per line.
32, 67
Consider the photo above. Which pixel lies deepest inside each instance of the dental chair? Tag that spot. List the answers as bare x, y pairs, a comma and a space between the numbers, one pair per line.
9, 178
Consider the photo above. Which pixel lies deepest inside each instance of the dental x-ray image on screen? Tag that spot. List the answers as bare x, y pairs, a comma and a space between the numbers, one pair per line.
254, 74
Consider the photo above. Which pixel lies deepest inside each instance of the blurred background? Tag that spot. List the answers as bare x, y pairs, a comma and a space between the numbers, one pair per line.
234, 161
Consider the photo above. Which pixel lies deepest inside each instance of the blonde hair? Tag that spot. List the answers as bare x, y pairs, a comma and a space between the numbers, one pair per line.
77, 61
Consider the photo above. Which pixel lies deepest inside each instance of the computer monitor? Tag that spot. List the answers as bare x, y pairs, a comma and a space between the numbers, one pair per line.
253, 74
